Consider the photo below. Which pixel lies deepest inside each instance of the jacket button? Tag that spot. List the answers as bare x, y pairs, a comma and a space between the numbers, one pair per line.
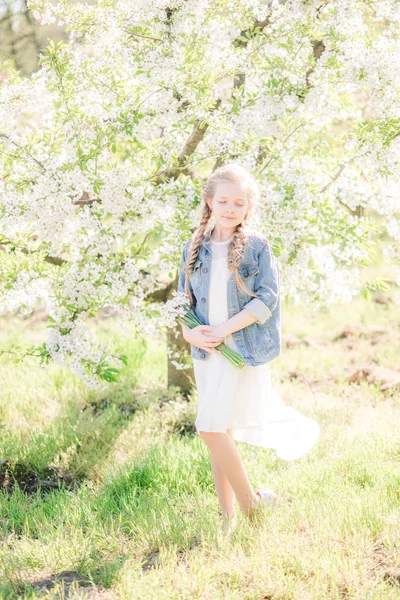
203, 299
205, 270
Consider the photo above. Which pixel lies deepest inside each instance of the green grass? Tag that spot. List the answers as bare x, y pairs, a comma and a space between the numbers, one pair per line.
142, 520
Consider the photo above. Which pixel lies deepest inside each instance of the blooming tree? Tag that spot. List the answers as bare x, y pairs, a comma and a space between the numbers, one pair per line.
104, 150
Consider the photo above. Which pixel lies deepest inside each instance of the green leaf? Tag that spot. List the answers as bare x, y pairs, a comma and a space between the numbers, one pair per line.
123, 358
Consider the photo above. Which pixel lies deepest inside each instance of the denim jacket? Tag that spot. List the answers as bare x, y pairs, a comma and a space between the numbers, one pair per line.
259, 342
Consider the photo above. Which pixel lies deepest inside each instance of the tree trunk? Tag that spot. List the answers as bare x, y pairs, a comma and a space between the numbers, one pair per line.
179, 350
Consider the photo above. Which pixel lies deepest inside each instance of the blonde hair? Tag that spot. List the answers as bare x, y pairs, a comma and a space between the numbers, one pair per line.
235, 173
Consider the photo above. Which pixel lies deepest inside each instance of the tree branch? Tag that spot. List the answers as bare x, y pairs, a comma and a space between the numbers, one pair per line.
24, 150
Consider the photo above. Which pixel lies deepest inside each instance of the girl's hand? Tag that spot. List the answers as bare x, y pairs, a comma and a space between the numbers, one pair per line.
202, 337
218, 330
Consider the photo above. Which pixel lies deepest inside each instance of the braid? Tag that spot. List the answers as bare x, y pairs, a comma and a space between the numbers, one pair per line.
236, 247
195, 245
235, 253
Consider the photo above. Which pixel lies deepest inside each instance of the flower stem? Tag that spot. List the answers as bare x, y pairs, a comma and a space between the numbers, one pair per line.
191, 320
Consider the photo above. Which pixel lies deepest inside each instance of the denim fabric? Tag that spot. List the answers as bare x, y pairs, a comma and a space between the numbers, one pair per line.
259, 342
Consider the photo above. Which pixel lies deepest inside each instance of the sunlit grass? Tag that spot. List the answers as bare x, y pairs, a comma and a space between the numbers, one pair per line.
143, 521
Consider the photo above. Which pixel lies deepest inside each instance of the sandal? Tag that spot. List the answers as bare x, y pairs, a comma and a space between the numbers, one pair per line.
268, 498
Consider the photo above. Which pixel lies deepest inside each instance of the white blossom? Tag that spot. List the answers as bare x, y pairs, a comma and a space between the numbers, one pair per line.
86, 224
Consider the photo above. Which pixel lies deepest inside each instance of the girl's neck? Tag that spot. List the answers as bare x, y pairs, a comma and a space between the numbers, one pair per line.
221, 236
224, 242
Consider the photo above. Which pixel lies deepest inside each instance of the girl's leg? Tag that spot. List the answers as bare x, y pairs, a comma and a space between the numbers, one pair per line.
223, 487
226, 454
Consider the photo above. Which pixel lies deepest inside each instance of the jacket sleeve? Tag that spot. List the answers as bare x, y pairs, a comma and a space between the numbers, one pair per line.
266, 286
182, 275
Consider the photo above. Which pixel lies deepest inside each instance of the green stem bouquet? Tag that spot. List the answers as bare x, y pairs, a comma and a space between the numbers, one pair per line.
190, 319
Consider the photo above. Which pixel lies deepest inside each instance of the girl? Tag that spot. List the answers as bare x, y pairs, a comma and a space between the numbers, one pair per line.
232, 279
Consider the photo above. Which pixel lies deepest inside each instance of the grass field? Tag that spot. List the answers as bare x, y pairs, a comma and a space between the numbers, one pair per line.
136, 514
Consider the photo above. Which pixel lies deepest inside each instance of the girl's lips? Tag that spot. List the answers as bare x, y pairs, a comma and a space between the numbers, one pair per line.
229, 218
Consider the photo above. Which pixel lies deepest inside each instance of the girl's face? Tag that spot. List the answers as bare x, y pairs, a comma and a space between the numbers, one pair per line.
229, 205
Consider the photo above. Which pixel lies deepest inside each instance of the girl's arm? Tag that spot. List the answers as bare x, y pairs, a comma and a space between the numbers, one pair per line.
239, 321
266, 286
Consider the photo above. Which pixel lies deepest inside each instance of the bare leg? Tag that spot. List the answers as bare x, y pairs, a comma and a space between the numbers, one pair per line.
227, 456
223, 487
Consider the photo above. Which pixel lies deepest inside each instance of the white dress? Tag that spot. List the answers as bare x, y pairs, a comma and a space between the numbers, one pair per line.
244, 400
